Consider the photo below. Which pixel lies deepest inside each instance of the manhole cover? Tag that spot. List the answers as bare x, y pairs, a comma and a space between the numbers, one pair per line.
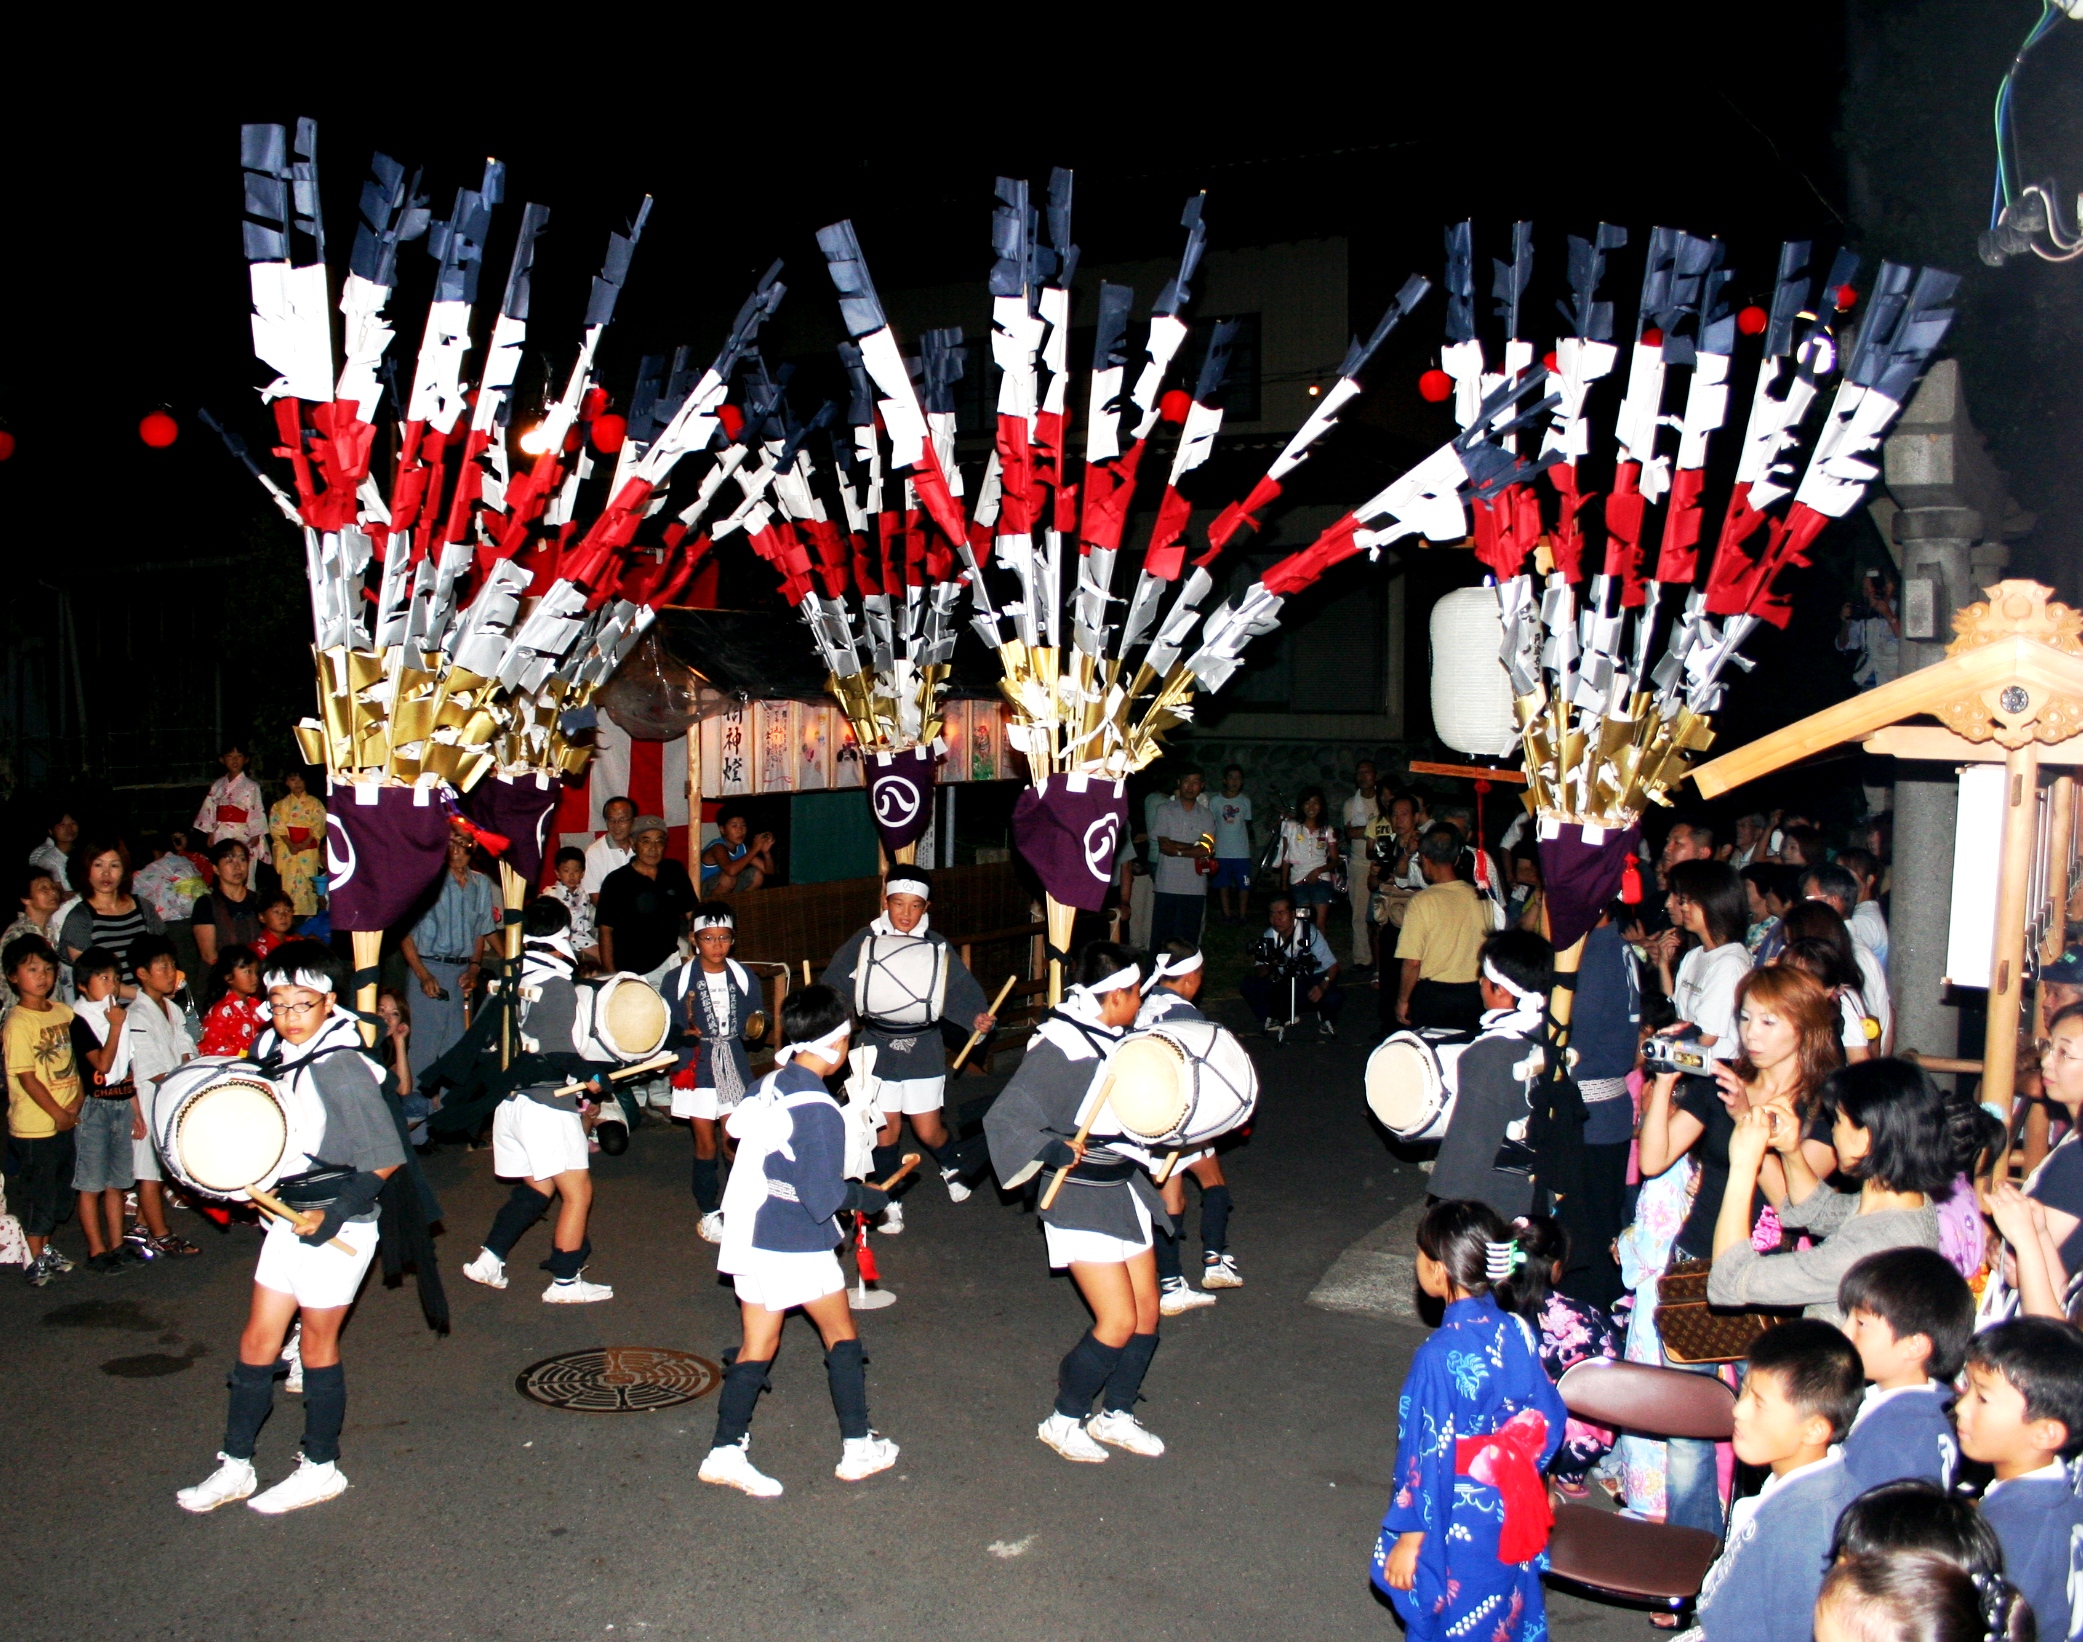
618, 1379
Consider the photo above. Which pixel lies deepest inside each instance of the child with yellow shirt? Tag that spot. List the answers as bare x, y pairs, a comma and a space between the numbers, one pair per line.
43, 1097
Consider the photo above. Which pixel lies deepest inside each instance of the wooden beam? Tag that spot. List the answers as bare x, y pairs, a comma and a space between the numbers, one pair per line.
1935, 744
2013, 882
1986, 667
1468, 772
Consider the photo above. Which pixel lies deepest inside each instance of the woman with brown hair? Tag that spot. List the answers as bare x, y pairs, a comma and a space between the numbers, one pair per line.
1787, 1027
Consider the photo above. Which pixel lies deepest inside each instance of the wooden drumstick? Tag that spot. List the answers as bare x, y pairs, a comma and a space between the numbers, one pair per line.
1171, 1162
655, 1063
911, 1161
1084, 1129
976, 1038
282, 1211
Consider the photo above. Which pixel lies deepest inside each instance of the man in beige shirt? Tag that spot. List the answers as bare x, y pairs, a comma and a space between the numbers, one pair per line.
1441, 943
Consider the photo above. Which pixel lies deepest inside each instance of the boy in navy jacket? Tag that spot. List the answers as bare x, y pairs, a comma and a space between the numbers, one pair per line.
1798, 1400
779, 1233
2021, 1412
1910, 1316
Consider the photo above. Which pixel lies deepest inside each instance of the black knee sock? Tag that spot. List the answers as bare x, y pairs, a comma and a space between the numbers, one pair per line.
252, 1388
1125, 1383
848, 1378
523, 1207
948, 1154
743, 1381
707, 1193
565, 1264
1082, 1372
325, 1411
1215, 1219
1167, 1247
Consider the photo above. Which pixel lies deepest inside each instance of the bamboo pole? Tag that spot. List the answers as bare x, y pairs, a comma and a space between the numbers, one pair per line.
2061, 836
1061, 919
368, 953
515, 892
2013, 880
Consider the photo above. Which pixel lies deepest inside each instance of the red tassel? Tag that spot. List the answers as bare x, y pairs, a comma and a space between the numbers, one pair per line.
1631, 882
491, 843
863, 1254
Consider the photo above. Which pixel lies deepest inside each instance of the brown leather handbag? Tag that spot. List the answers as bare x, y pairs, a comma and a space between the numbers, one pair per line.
1695, 1332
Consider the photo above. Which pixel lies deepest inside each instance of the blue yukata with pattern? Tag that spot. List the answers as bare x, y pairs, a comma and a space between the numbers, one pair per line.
1480, 1368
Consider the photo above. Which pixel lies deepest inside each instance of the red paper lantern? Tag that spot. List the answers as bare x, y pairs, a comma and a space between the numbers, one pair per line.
6, 444
1435, 385
1652, 338
608, 433
1174, 405
595, 402
1753, 320
1844, 296
1548, 361
159, 430
732, 418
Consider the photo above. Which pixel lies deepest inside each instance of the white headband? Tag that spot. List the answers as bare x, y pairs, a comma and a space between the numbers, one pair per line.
1120, 979
715, 920
309, 980
1496, 978
1166, 966
823, 1046
902, 884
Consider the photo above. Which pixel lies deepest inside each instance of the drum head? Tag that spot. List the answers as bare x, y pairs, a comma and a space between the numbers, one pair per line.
1404, 1088
1150, 1094
633, 1019
1223, 1082
230, 1136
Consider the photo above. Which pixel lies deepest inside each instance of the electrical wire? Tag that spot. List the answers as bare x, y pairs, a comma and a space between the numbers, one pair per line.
2006, 187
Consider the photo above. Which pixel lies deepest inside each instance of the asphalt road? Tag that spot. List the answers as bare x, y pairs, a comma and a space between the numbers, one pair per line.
475, 1514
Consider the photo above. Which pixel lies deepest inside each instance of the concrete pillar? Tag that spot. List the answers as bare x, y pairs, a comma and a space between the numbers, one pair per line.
1950, 501
1927, 804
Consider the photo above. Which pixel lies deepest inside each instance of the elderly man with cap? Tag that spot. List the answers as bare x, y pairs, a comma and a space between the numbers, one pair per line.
643, 912
903, 980
644, 906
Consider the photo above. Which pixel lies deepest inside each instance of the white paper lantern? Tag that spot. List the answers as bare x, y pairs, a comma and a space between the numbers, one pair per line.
1471, 691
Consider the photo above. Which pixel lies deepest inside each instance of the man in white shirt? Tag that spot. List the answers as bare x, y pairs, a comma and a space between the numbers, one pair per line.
1837, 885
1181, 838
1362, 810
614, 849
1873, 639
1869, 928
1751, 833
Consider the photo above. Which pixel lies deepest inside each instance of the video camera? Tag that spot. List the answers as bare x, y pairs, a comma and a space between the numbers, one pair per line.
1290, 960
1681, 1053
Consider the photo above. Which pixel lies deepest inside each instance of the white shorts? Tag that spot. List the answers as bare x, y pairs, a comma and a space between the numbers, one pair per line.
778, 1282
144, 1155
696, 1103
321, 1278
531, 1141
909, 1095
1094, 1248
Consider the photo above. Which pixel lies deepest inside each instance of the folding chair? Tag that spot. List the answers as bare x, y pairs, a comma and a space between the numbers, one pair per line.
1623, 1557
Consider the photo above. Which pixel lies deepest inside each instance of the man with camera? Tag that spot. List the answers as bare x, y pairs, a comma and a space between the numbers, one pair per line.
1294, 972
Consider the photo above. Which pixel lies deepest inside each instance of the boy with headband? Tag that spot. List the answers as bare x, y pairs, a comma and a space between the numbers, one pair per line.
904, 981
710, 998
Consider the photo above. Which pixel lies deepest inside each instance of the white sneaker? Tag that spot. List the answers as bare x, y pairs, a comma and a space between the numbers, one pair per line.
711, 1228
1124, 1430
233, 1480
956, 1191
1221, 1273
1068, 1438
732, 1467
487, 1269
1175, 1297
577, 1292
308, 1484
892, 1219
293, 1354
864, 1456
